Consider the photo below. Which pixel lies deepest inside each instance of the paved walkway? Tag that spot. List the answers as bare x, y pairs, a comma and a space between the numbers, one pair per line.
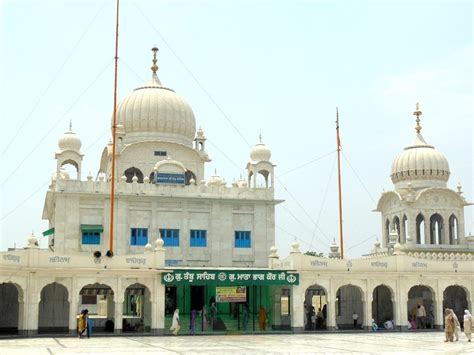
366, 343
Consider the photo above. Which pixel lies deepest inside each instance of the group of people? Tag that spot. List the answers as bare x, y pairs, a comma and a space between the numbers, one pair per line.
389, 324
206, 320
452, 327
315, 320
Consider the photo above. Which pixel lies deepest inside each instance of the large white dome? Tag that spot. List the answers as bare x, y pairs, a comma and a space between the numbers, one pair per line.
420, 163
156, 112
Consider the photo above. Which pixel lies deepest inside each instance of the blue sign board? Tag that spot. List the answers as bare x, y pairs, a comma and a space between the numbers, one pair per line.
167, 178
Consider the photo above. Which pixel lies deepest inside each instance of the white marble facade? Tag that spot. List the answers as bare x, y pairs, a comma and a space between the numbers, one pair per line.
156, 134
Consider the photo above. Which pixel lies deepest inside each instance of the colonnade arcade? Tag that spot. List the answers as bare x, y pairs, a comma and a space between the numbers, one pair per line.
379, 303
432, 229
121, 304
55, 308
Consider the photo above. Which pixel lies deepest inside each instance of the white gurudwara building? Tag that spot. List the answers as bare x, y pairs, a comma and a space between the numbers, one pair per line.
207, 248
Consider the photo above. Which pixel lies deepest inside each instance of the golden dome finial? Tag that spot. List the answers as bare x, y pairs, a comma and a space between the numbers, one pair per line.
417, 113
154, 67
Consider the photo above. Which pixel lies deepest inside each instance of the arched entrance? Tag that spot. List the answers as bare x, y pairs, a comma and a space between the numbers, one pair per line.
136, 309
53, 312
315, 308
455, 297
98, 299
382, 305
10, 296
349, 306
421, 297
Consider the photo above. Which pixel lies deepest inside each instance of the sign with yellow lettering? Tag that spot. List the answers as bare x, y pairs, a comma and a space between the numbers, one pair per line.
231, 294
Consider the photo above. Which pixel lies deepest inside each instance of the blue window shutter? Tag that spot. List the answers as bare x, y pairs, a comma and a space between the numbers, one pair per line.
91, 238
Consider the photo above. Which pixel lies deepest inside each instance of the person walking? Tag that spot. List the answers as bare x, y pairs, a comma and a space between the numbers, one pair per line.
457, 325
88, 323
205, 318
319, 319
420, 316
448, 325
262, 318
467, 324
245, 320
192, 323
175, 324
213, 314
355, 317
82, 323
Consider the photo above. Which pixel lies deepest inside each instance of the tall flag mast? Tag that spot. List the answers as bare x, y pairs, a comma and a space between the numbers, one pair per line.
114, 136
341, 237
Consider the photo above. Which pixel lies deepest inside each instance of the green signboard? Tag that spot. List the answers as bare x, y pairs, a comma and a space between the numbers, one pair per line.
229, 277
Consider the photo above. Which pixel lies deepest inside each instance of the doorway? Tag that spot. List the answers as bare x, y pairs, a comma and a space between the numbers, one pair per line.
197, 297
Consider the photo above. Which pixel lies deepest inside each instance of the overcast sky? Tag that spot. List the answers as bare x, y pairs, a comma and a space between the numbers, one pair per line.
275, 67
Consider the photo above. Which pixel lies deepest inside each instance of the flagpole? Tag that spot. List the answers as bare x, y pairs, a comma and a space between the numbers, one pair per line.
341, 237
114, 136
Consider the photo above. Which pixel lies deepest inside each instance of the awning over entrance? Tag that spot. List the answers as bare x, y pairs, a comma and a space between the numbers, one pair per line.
92, 228
229, 277
48, 232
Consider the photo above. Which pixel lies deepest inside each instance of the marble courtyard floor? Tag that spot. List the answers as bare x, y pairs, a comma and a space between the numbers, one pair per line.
328, 343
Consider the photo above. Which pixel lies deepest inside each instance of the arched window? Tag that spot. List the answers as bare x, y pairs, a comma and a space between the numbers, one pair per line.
131, 172
436, 229
420, 229
71, 168
396, 225
405, 228
453, 230
188, 175
387, 231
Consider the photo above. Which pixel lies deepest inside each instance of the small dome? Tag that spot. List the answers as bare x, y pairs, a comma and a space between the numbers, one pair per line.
420, 161
69, 141
215, 180
199, 133
260, 152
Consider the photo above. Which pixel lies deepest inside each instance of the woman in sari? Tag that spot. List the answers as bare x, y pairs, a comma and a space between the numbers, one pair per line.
82, 323
448, 325
262, 318
467, 324
175, 324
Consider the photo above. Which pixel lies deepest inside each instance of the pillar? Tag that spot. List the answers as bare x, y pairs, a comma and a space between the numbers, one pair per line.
403, 232
401, 309
297, 308
157, 306
118, 314
73, 307
438, 306
366, 320
427, 231
331, 299
21, 314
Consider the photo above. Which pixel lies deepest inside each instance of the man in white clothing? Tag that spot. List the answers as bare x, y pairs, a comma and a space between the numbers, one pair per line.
420, 316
